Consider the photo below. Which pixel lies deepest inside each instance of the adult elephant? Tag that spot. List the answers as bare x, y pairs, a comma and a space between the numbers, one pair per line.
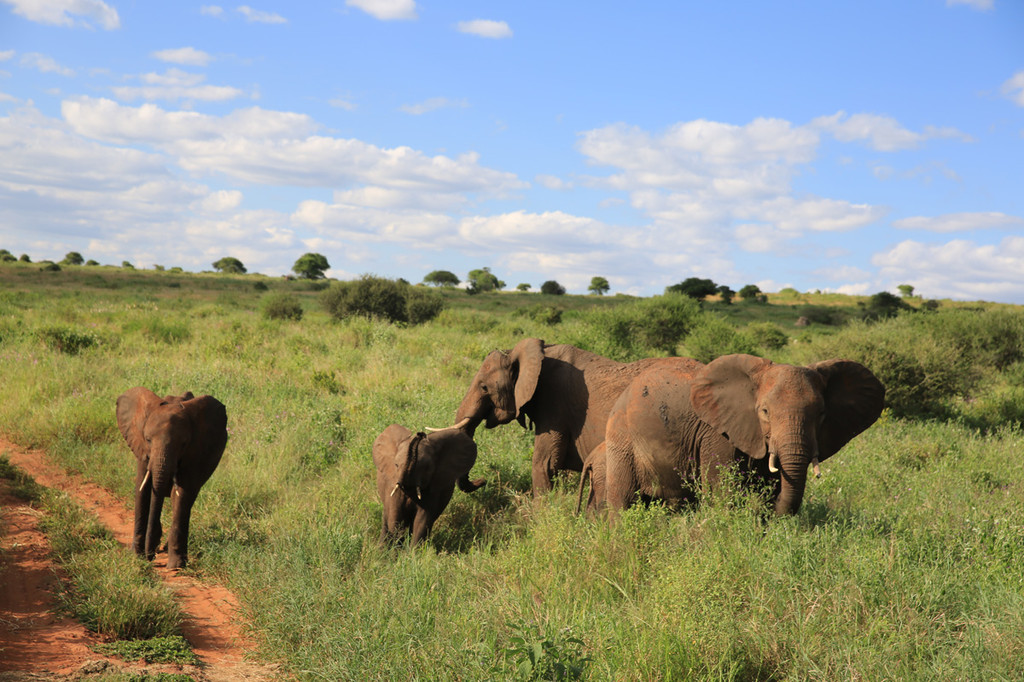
677, 427
566, 392
178, 442
416, 476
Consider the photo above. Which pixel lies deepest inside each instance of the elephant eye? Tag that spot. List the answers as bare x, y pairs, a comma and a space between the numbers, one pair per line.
483, 388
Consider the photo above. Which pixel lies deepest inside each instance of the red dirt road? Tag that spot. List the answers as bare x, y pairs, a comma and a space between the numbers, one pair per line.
33, 641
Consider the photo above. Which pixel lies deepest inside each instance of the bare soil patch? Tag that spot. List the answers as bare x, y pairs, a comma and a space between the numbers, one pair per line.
36, 643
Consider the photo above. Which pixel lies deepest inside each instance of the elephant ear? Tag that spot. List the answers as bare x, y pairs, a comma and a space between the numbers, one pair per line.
133, 409
527, 358
724, 396
456, 455
385, 447
854, 399
210, 423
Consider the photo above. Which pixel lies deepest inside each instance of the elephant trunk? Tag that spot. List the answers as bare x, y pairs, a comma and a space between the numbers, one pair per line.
162, 468
794, 480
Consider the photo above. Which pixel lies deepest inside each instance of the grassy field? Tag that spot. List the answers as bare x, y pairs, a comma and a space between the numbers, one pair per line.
904, 563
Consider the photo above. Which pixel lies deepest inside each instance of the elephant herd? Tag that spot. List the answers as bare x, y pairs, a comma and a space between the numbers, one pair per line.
654, 429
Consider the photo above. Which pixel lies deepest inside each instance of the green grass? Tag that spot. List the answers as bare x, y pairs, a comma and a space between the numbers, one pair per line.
903, 564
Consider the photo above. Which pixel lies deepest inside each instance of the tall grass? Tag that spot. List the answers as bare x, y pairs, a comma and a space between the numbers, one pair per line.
903, 564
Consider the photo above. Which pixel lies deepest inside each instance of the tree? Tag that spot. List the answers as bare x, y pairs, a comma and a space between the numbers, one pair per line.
726, 294
483, 280
749, 292
552, 287
442, 278
230, 266
523, 286
883, 305
906, 290
128, 266
73, 258
311, 266
6, 256
599, 286
694, 287
24, 258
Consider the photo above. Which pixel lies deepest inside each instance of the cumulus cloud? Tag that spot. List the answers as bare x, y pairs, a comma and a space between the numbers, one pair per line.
45, 64
881, 133
386, 10
67, 12
433, 104
174, 85
260, 17
958, 269
5, 55
1014, 88
187, 56
960, 222
211, 11
485, 28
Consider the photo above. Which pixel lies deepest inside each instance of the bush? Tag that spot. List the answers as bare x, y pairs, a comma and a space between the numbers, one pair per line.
713, 337
767, 335
552, 288
281, 306
371, 296
639, 329
65, 340
823, 314
541, 314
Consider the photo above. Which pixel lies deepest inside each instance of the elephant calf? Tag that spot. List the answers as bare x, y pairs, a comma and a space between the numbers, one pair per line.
416, 476
178, 442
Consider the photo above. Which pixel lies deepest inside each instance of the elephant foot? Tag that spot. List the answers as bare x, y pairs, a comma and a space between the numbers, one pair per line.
176, 562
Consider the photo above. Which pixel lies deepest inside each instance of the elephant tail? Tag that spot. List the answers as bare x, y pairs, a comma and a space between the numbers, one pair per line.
588, 467
468, 486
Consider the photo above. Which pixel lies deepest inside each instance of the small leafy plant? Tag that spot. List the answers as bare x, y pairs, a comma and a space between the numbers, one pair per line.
540, 657
173, 649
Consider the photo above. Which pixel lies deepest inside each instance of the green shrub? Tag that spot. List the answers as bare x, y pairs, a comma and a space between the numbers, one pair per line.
767, 335
371, 296
823, 314
281, 306
541, 314
65, 340
638, 329
713, 337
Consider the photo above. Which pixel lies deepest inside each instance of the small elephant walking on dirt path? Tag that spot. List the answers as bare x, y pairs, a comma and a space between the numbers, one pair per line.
416, 476
178, 442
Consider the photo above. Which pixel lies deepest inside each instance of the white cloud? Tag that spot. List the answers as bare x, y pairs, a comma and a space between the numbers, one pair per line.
339, 103
211, 11
67, 12
260, 17
45, 64
222, 200
552, 182
959, 222
982, 5
882, 133
175, 84
485, 28
386, 10
1014, 88
188, 56
5, 55
958, 269
816, 214
433, 104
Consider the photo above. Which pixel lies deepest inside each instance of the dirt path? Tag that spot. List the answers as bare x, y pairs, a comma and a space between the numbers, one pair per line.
33, 640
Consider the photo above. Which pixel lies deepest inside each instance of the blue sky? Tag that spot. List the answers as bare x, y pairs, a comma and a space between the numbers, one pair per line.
841, 146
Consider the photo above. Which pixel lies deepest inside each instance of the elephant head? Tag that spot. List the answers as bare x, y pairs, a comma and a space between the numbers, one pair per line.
796, 416
501, 388
178, 442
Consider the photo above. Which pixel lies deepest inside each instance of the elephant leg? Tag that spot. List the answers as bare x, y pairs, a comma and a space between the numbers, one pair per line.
549, 449
143, 493
421, 525
620, 484
154, 529
177, 541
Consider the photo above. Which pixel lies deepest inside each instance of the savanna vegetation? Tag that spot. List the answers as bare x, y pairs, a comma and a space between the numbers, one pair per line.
904, 562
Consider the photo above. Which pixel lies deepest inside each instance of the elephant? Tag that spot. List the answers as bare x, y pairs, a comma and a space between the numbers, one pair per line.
674, 428
566, 392
178, 442
416, 476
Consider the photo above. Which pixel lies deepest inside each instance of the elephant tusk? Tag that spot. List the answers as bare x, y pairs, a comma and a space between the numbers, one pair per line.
394, 490
419, 493
773, 462
145, 479
816, 466
453, 426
